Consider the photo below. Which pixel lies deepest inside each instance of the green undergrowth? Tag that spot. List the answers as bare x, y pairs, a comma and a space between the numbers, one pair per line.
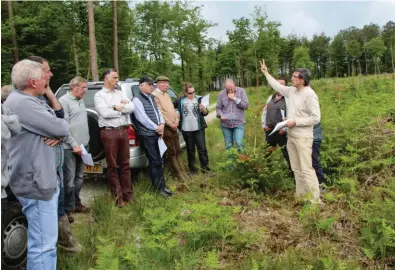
225, 222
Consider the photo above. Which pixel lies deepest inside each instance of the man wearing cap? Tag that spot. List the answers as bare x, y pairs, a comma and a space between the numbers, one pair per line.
172, 118
114, 109
150, 127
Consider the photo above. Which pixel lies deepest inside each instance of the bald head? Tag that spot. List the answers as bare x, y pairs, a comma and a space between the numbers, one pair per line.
230, 85
5, 91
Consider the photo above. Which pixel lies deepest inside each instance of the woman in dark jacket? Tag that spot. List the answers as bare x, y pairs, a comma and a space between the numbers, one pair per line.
192, 125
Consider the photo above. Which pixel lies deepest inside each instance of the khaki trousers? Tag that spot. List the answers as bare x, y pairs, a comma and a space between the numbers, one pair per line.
300, 150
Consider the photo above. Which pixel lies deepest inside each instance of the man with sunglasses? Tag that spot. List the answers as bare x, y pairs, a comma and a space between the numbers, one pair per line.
114, 109
303, 113
149, 128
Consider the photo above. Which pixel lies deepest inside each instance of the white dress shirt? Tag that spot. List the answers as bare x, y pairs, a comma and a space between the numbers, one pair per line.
108, 117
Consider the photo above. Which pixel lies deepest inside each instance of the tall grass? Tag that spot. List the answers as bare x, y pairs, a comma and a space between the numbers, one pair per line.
225, 223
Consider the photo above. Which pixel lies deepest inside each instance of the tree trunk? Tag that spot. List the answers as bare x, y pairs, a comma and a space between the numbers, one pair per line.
92, 42
200, 66
115, 35
77, 68
392, 57
360, 69
13, 34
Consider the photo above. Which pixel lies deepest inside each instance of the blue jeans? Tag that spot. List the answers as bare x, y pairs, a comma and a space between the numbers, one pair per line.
42, 217
236, 135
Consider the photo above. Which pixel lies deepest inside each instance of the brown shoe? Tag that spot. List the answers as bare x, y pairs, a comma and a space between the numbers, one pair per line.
82, 209
70, 217
121, 204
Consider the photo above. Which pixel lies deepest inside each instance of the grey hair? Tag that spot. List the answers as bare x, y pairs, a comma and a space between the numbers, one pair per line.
5, 91
25, 70
76, 81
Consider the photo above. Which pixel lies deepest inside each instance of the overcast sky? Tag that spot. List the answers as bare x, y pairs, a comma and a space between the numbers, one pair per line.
302, 18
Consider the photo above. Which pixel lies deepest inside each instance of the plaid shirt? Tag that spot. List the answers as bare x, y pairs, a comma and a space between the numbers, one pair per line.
226, 106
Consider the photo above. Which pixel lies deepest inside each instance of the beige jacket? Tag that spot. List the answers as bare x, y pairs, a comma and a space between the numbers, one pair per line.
165, 104
303, 107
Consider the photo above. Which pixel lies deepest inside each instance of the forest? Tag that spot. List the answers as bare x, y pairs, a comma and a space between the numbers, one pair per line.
155, 37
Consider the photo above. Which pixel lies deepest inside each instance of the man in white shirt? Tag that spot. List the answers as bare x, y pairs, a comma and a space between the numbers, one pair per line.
303, 113
114, 109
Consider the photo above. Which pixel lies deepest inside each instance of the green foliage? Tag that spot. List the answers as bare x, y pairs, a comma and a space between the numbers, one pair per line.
378, 233
302, 58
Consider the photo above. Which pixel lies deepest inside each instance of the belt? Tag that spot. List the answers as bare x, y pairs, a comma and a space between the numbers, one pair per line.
115, 128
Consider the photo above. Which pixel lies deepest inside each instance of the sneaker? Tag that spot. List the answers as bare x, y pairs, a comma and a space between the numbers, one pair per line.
82, 209
169, 191
165, 194
209, 174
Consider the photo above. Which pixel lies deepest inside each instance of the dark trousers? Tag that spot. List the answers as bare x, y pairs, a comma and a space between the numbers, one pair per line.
73, 173
316, 162
116, 148
155, 167
196, 139
280, 140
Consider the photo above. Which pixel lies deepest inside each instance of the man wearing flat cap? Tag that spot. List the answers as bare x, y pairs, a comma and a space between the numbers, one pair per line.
149, 128
170, 135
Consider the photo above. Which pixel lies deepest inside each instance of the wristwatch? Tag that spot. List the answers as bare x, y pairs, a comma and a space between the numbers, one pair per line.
113, 107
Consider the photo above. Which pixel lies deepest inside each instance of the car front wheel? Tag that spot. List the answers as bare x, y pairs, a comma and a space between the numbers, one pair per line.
14, 240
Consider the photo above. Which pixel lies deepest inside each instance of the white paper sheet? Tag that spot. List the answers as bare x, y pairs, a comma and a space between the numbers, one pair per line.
282, 114
279, 126
86, 157
162, 146
206, 100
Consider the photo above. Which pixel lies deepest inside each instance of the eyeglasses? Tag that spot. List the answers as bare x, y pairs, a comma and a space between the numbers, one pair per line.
150, 83
191, 93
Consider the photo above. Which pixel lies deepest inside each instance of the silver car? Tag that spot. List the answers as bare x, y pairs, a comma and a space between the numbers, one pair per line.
137, 157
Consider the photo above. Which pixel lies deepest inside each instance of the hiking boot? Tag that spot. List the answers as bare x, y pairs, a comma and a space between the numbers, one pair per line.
82, 209
66, 239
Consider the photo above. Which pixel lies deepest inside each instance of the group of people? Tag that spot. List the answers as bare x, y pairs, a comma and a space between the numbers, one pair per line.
299, 139
43, 139
41, 157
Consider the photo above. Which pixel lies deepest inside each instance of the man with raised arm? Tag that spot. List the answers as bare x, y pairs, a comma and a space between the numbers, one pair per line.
303, 113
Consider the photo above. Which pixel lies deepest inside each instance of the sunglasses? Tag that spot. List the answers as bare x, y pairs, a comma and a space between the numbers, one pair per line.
191, 93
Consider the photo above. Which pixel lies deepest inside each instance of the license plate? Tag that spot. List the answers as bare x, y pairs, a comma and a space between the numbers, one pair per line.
97, 168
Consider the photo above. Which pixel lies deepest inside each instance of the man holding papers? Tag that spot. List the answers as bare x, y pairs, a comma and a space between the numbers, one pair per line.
303, 113
73, 166
149, 128
170, 134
